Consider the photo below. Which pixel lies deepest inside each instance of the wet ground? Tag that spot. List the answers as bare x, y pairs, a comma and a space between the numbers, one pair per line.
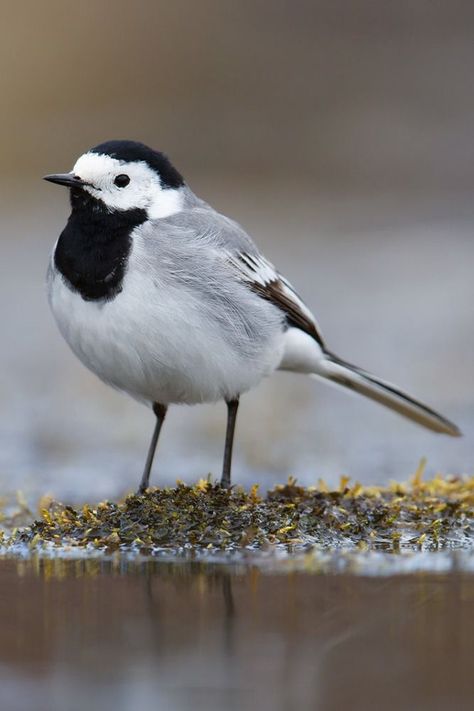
198, 598
124, 635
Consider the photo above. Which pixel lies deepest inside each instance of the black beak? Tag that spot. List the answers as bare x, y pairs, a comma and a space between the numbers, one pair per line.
68, 179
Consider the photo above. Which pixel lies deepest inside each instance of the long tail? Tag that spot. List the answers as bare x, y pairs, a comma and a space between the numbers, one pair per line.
338, 371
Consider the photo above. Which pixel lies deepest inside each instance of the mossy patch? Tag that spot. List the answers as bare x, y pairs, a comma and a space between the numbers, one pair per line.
422, 514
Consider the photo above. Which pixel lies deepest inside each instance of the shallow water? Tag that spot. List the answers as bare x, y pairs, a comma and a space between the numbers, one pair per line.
113, 634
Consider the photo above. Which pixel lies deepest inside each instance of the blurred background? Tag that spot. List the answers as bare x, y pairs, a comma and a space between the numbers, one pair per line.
339, 133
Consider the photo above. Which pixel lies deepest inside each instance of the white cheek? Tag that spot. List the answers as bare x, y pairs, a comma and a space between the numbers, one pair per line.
143, 192
119, 199
157, 202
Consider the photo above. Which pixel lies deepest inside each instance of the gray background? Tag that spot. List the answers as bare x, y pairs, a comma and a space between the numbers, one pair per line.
338, 133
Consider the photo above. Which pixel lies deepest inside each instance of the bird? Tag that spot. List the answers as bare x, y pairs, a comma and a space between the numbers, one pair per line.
171, 302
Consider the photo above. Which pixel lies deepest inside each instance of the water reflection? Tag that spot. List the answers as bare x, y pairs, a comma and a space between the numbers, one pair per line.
194, 635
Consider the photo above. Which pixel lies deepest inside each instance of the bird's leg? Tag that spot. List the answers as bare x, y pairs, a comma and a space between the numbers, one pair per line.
232, 407
160, 412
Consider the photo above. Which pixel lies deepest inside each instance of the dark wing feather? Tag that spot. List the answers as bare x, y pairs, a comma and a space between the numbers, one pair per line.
264, 280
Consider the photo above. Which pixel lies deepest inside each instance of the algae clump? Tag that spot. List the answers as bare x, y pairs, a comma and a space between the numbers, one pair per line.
421, 514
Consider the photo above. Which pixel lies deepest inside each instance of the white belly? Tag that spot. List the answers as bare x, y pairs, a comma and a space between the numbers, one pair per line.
162, 348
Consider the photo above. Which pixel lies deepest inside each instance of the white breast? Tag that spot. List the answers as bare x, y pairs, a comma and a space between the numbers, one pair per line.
157, 344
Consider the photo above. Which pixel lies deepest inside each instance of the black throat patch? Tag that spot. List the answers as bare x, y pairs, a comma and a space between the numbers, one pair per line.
93, 249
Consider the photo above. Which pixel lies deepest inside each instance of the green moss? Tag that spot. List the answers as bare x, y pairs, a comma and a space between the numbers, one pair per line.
431, 514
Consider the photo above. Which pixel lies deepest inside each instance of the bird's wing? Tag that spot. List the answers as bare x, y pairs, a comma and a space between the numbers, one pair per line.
262, 278
206, 226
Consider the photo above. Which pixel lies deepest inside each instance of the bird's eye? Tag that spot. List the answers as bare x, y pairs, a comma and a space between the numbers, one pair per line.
121, 180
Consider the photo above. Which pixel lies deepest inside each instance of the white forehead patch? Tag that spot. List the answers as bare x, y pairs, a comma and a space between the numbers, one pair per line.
144, 190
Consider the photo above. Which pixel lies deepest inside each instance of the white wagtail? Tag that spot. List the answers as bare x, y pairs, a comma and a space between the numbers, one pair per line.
166, 299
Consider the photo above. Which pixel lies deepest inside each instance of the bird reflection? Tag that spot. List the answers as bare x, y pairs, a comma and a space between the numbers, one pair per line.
195, 585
